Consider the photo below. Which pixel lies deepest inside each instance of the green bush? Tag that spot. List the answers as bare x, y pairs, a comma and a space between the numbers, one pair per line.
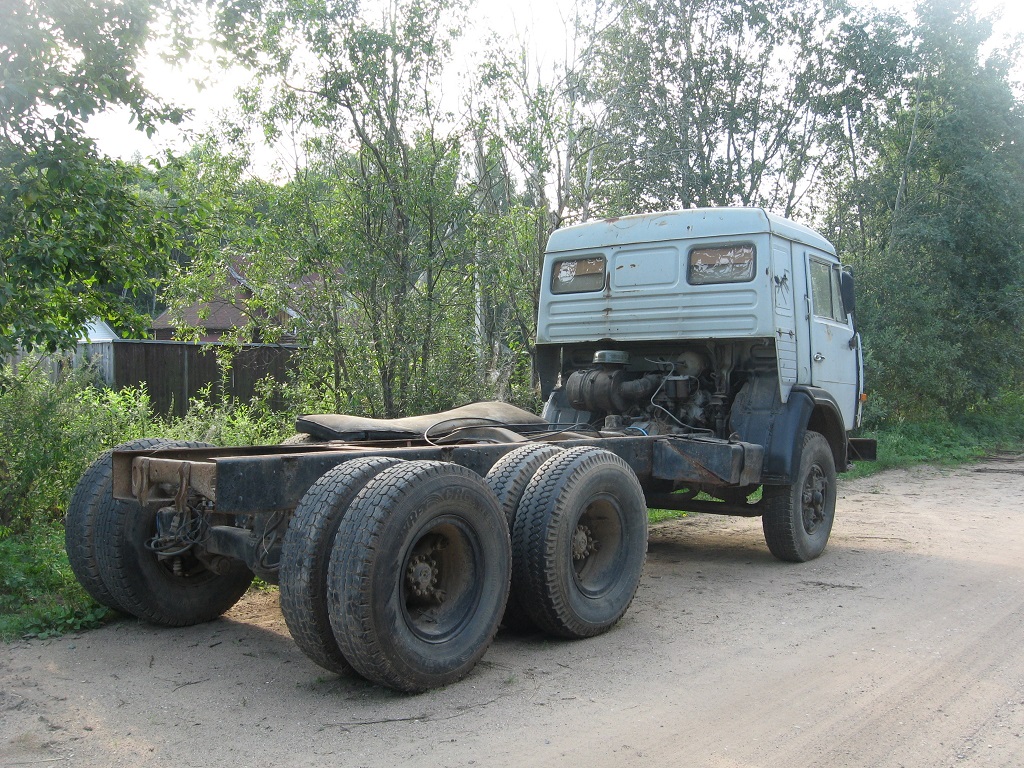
996, 424
230, 422
39, 595
51, 430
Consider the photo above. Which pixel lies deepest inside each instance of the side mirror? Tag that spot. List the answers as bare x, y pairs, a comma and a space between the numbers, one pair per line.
846, 291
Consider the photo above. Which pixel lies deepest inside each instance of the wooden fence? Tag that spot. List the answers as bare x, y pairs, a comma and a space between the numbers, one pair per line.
174, 372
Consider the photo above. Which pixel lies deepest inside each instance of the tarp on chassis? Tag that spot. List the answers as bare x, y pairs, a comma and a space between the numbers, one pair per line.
434, 426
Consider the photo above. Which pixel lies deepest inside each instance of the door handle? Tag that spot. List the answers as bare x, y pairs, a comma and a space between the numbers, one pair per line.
818, 357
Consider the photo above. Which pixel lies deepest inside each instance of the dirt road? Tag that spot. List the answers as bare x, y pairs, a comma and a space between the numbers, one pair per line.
900, 646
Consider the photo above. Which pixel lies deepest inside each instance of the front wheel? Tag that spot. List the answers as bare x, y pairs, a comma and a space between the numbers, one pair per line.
797, 519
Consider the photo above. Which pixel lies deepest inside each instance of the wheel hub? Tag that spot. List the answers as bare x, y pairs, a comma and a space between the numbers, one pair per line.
813, 499
583, 544
421, 578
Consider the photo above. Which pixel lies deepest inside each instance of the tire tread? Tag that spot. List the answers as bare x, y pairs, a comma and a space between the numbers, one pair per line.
359, 547
306, 553
123, 563
92, 493
781, 521
509, 478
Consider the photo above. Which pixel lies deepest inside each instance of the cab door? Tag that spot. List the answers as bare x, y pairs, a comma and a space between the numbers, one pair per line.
834, 344
784, 307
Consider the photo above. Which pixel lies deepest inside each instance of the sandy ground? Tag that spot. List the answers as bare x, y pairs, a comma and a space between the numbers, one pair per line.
900, 646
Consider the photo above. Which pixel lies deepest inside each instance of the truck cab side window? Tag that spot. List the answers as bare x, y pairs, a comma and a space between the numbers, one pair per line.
826, 296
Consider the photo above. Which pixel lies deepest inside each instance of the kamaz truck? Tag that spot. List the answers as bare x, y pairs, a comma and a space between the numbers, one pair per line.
704, 360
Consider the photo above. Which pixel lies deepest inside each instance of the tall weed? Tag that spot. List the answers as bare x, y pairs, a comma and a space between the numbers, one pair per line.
53, 422
38, 591
49, 432
230, 422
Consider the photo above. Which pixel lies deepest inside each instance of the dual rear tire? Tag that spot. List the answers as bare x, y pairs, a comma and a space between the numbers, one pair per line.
509, 478
306, 556
400, 570
419, 575
397, 571
90, 502
579, 543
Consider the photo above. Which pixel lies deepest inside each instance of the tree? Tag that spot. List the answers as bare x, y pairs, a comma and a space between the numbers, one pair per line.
76, 236
713, 104
361, 252
869, 56
941, 260
534, 138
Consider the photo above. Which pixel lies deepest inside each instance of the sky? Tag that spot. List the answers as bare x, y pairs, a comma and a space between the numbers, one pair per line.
208, 91
536, 20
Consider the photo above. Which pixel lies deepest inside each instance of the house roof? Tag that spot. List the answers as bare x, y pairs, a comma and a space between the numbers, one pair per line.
224, 313
97, 330
215, 315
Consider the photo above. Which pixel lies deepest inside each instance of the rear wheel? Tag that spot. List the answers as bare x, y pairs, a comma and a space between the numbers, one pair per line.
419, 575
579, 542
797, 518
172, 591
306, 553
93, 493
508, 479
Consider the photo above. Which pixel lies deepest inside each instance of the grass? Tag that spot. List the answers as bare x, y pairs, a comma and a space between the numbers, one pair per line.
39, 595
661, 515
982, 431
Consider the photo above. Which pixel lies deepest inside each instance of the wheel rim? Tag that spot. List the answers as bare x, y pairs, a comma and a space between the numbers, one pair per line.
441, 580
596, 547
813, 497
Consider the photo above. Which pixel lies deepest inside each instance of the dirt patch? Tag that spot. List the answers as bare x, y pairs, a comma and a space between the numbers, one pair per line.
901, 645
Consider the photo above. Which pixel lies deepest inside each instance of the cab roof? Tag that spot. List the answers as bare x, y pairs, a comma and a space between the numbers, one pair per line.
684, 224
